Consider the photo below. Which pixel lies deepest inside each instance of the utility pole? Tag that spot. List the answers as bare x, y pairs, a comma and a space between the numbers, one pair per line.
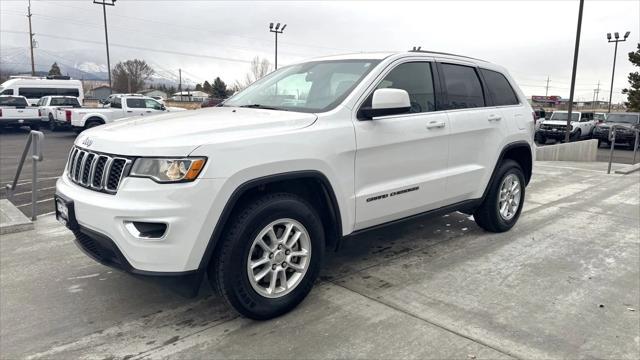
276, 31
567, 134
615, 53
180, 84
104, 4
546, 93
31, 40
596, 92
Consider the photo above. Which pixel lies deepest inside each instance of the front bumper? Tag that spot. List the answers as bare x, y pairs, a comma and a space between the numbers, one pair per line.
621, 137
101, 223
552, 134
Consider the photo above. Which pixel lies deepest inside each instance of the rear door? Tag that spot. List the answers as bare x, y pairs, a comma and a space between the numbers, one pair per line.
401, 160
478, 129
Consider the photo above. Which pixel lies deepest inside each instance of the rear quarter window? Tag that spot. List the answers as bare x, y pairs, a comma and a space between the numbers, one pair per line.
499, 88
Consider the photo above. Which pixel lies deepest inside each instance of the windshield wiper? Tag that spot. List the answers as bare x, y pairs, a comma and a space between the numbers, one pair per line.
260, 106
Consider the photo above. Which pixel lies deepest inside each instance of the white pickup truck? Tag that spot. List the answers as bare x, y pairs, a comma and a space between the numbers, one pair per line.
15, 112
48, 107
119, 107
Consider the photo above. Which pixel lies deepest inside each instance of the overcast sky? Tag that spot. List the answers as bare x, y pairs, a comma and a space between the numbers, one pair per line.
533, 39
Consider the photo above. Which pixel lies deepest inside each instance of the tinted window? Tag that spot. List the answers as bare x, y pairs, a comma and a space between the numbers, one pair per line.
416, 79
13, 101
136, 103
7, 92
499, 88
116, 103
38, 92
463, 87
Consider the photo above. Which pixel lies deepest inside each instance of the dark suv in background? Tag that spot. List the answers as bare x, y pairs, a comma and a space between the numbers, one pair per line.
623, 136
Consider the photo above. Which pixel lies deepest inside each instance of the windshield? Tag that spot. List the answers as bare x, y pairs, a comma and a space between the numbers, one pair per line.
599, 117
13, 101
310, 87
564, 116
623, 118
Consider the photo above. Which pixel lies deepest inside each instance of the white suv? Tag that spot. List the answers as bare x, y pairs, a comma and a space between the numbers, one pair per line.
251, 193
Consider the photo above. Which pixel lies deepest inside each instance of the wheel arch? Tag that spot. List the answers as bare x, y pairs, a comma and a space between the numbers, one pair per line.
313, 185
94, 117
520, 152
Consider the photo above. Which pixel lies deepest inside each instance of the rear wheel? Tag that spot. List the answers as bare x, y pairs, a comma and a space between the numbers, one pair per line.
501, 207
576, 136
92, 123
270, 256
34, 126
52, 123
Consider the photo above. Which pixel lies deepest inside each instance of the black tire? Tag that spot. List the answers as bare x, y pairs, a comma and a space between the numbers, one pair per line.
92, 123
34, 126
487, 216
228, 268
52, 124
576, 136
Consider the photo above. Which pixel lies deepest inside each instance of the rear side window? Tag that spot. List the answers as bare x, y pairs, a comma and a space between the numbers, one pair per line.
463, 87
499, 88
7, 92
65, 102
116, 103
136, 103
38, 92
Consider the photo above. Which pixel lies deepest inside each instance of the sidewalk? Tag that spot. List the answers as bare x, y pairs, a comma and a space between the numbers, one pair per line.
564, 283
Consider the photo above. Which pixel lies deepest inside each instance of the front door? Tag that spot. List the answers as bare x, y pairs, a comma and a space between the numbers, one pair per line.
401, 160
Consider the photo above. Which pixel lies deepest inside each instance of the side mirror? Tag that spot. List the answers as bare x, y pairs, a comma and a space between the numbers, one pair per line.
162, 107
387, 102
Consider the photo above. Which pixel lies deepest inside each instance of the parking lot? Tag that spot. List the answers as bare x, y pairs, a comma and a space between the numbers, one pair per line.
564, 283
56, 150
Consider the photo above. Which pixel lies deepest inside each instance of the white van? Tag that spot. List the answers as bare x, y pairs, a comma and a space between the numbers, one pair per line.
33, 88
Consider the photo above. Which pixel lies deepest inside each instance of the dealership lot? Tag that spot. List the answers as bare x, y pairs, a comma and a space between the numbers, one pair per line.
565, 282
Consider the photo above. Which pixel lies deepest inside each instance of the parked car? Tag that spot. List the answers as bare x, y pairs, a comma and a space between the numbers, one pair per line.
16, 112
48, 106
582, 124
119, 106
33, 88
539, 116
599, 117
252, 193
629, 120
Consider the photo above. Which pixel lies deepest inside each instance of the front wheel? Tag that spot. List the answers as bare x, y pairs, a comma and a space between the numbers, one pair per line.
576, 136
52, 124
270, 256
501, 207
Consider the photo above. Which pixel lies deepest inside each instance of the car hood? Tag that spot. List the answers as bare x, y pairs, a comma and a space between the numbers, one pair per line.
607, 125
178, 134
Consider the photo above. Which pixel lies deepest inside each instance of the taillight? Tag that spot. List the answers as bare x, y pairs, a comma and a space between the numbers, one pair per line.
67, 114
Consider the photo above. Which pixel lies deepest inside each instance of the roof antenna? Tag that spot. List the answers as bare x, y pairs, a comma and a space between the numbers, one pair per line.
416, 48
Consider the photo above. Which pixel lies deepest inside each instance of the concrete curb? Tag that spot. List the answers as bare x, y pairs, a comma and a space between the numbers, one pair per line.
628, 169
12, 220
586, 150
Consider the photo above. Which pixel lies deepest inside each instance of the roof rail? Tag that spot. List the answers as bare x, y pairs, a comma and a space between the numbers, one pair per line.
419, 50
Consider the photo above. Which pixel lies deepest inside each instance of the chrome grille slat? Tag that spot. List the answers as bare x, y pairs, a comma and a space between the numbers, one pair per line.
96, 171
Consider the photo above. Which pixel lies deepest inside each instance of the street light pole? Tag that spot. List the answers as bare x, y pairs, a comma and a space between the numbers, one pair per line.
567, 134
277, 30
104, 4
615, 53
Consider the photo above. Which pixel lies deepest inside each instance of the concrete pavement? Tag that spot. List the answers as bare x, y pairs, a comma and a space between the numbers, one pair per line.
565, 282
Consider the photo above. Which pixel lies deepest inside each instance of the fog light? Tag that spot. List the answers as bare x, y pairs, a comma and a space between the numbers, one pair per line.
146, 230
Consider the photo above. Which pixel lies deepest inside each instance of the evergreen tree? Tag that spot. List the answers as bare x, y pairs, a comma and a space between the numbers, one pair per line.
206, 87
633, 93
198, 87
219, 89
55, 70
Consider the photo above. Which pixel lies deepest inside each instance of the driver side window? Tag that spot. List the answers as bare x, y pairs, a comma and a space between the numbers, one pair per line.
416, 79
152, 104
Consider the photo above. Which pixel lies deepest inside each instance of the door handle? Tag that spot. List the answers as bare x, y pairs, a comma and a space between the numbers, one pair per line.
494, 117
435, 124
148, 111
129, 111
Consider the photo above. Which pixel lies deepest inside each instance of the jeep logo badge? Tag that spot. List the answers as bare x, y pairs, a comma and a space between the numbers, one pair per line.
87, 142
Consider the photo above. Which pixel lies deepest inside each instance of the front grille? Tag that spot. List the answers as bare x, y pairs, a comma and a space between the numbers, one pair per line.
558, 127
96, 171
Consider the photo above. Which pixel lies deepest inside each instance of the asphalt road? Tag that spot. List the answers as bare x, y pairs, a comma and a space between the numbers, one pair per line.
56, 150
564, 283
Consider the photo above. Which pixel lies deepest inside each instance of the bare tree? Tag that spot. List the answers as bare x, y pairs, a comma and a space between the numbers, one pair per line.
129, 76
259, 68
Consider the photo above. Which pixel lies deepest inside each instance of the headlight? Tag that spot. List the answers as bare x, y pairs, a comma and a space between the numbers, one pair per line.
168, 170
